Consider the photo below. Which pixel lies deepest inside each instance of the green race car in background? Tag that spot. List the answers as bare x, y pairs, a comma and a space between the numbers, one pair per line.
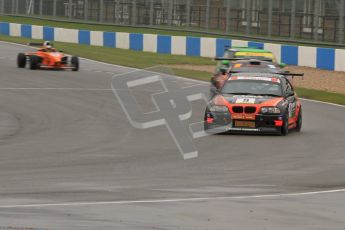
245, 53
249, 53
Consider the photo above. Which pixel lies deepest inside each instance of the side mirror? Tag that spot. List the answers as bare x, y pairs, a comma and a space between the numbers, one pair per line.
282, 65
213, 90
290, 94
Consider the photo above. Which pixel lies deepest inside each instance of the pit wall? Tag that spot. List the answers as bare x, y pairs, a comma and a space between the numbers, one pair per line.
323, 58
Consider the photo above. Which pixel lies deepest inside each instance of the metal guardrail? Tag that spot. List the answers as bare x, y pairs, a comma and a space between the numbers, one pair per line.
266, 39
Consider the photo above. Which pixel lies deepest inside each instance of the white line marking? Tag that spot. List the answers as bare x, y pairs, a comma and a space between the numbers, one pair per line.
190, 86
76, 89
173, 200
17, 44
323, 102
142, 81
7, 58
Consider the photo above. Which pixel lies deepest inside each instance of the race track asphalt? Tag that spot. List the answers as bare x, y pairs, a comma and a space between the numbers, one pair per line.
70, 159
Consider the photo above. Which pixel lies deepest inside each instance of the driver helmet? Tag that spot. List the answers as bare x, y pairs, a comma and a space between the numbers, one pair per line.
48, 46
47, 43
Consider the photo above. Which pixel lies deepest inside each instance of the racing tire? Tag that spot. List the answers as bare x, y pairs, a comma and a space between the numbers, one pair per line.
75, 63
21, 60
299, 121
285, 128
34, 62
206, 127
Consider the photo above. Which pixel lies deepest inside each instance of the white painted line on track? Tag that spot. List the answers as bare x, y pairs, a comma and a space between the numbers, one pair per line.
173, 200
8, 58
323, 102
190, 86
17, 44
72, 89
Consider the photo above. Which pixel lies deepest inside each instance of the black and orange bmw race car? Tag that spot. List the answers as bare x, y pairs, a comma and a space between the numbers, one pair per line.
47, 57
254, 102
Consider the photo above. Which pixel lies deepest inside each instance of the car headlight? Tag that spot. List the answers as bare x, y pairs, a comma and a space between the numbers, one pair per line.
219, 108
270, 110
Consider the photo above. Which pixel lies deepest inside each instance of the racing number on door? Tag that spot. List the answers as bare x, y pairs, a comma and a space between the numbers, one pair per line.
292, 109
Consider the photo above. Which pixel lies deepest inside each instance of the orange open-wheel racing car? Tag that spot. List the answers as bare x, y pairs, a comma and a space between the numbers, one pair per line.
47, 57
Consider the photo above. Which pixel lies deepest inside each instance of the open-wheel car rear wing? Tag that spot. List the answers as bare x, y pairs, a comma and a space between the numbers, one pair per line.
241, 59
46, 43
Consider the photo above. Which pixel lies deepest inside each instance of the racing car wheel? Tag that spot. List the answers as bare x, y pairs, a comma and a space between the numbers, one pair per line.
285, 128
299, 121
75, 63
21, 60
34, 62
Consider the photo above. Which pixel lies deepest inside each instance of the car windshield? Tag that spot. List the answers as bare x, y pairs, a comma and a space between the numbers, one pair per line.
229, 54
261, 58
252, 87
255, 70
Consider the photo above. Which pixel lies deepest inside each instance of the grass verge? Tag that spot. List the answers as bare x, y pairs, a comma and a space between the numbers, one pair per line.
145, 60
320, 95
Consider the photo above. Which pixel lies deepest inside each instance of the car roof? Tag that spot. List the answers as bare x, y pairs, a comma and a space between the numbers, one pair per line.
252, 62
253, 66
259, 75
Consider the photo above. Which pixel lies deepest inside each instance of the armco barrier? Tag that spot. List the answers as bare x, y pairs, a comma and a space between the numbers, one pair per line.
323, 58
